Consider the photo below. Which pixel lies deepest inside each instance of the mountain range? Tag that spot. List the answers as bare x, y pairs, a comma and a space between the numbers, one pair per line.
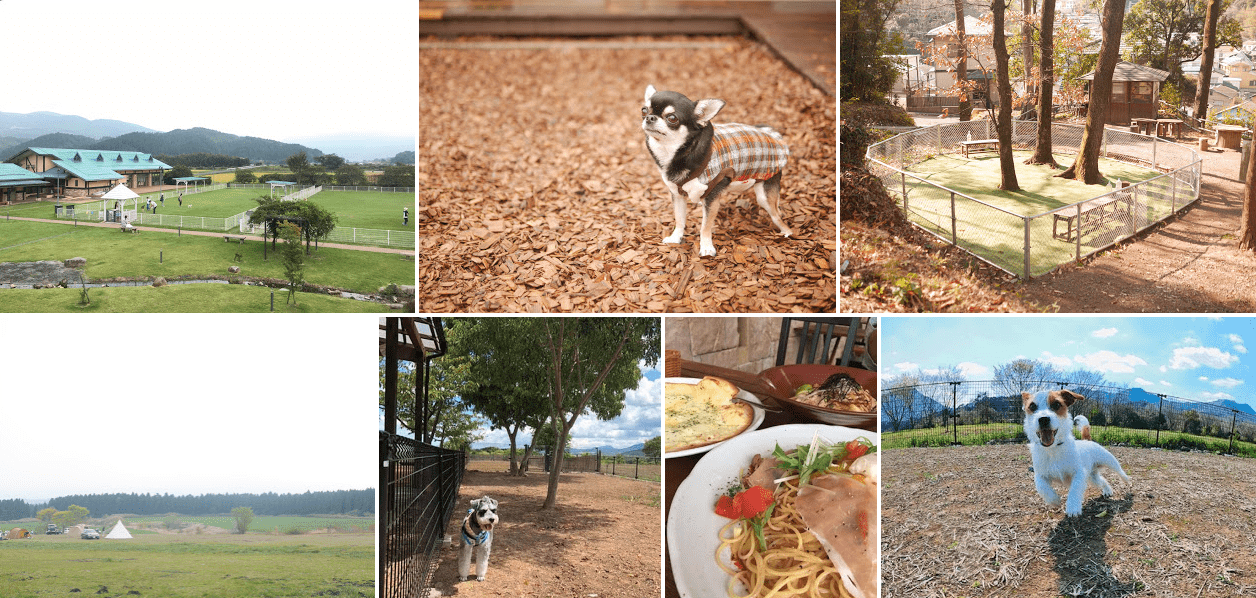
29, 126
606, 450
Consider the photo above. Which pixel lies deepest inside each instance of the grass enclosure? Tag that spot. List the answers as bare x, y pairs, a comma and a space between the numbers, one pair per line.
979, 434
111, 254
181, 566
182, 298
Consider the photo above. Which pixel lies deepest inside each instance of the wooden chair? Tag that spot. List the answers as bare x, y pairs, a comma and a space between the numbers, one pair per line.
818, 339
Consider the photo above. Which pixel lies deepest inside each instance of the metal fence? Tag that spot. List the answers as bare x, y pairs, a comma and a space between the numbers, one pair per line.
330, 188
419, 484
637, 468
983, 412
1026, 243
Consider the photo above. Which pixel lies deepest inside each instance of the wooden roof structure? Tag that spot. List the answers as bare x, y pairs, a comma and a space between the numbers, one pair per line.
417, 340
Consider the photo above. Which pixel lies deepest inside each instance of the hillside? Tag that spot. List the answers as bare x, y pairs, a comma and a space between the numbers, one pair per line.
28, 126
176, 142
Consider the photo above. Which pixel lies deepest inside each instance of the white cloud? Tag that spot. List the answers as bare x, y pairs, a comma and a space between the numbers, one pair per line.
1188, 358
1109, 361
639, 421
1227, 382
1059, 361
1165, 383
1143, 382
1163, 369
974, 371
1216, 396
907, 366
1104, 332
1237, 341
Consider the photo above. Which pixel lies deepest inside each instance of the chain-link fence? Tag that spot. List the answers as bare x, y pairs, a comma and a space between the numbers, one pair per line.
983, 412
1030, 238
420, 486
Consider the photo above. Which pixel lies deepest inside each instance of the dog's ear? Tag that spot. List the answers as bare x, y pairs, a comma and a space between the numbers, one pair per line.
1025, 399
1071, 397
649, 93
706, 110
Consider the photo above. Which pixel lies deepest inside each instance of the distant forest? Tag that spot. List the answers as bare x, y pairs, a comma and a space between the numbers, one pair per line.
349, 502
203, 160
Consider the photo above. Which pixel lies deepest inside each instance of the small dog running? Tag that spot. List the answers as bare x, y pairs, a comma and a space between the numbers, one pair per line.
1060, 458
477, 537
701, 161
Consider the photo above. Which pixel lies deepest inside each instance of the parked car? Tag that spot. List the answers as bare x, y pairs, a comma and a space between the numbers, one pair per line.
90, 534
52, 529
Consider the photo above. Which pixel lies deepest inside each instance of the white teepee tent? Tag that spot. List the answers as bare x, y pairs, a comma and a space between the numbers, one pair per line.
119, 532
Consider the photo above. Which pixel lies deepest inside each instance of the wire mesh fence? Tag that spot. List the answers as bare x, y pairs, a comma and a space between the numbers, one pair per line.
637, 468
420, 488
1030, 237
991, 411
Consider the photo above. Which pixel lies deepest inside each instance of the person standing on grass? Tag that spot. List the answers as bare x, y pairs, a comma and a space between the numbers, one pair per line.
180, 199
163, 199
405, 216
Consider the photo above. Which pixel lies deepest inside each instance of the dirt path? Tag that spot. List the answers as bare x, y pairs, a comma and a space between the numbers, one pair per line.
966, 521
202, 233
603, 540
1191, 264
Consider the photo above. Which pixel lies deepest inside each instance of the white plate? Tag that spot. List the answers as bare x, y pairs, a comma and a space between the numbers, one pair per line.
692, 525
754, 421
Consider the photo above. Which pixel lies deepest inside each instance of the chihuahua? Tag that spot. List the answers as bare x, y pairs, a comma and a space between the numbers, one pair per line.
701, 160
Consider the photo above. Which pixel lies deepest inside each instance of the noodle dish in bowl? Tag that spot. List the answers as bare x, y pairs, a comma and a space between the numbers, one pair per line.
785, 511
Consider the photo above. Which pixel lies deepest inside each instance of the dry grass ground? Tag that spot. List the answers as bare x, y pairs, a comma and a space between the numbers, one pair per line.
538, 194
966, 521
604, 538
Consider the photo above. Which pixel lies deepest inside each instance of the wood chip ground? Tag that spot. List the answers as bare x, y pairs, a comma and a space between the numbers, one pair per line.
537, 193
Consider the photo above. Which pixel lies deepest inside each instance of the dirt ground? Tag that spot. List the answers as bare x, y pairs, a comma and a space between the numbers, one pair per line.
966, 521
604, 539
1190, 264
538, 194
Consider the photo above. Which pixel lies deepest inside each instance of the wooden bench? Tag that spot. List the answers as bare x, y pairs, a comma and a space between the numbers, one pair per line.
1117, 207
978, 145
127, 228
229, 238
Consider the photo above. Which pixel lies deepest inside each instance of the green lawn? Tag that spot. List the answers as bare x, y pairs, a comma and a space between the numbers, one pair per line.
367, 209
266, 524
178, 298
980, 434
999, 236
188, 566
112, 254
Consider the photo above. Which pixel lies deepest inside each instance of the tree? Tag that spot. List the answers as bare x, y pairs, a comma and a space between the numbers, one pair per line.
961, 66
1208, 53
1086, 165
512, 408
318, 222
1247, 220
45, 515
293, 259
401, 175
1024, 375
1003, 124
350, 175
652, 447
78, 514
1164, 33
447, 419
179, 171
245, 177
301, 168
330, 162
1046, 85
867, 72
243, 517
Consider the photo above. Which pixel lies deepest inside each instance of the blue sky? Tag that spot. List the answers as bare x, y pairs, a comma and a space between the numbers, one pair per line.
640, 420
1200, 358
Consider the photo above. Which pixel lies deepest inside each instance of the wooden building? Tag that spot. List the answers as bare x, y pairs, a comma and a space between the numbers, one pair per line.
1135, 92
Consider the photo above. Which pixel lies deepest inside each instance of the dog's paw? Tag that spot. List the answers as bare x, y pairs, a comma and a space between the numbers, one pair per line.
706, 250
1073, 512
672, 239
462, 578
787, 233
481, 578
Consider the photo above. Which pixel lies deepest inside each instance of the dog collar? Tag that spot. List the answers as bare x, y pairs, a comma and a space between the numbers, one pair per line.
477, 539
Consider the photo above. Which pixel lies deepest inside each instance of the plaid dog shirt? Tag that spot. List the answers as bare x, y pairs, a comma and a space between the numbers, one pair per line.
752, 153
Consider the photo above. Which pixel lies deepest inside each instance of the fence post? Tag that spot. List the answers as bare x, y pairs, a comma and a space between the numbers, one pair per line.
1173, 196
1026, 221
939, 128
1077, 252
1159, 417
954, 411
636, 472
1234, 420
1153, 149
903, 175
954, 235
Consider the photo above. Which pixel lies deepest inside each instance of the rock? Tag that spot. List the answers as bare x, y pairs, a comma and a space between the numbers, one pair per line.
76, 262
233, 269
159, 282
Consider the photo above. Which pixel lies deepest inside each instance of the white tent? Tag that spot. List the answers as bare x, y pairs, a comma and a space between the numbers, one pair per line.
119, 531
121, 192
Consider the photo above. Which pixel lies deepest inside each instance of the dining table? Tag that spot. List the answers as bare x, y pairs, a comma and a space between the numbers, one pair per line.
677, 469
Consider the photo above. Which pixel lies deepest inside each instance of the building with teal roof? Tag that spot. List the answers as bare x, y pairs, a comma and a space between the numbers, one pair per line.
16, 182
81, 173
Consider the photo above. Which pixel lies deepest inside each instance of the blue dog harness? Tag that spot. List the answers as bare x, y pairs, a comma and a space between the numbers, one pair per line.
477, 539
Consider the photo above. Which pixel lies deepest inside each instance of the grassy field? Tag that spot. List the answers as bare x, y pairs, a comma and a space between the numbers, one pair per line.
979, 434
1000, 237
180, 566
184, 298
367, 209
266, 524
111, 254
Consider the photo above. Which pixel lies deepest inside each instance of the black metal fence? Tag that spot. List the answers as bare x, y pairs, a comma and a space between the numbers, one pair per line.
989, 411
637, 468
419, 484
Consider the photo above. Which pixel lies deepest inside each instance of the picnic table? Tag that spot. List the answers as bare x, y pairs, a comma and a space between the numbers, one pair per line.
1115, 207
1162, 126
978, 145
1229, 136
1143, 125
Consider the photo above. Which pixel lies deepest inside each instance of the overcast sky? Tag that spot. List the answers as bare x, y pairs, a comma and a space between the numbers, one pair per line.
271, 69
186, 404
1204, 359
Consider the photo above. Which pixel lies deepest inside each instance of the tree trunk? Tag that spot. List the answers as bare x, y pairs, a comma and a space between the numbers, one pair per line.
1247, 225
556, 464
1027, 49
1003, 124
961, 65
513, 470
1046, 86
1205, 61
1086, 166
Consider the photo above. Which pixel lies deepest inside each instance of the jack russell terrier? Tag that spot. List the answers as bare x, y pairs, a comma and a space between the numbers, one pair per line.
1060, 458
